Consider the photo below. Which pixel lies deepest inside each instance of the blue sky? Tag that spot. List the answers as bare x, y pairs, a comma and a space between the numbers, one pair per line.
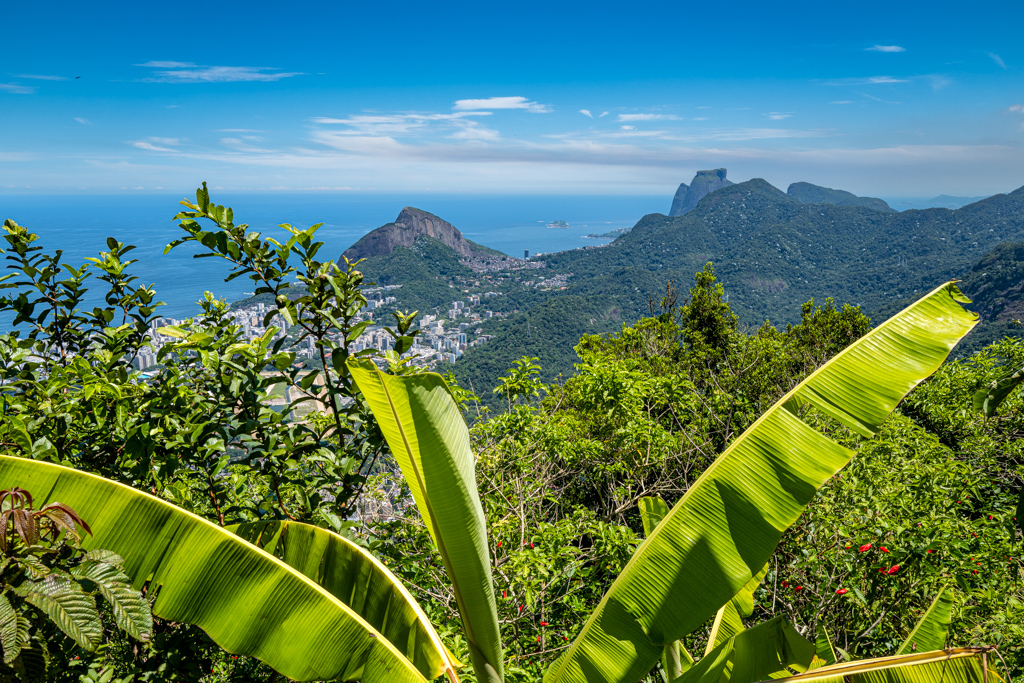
882, 98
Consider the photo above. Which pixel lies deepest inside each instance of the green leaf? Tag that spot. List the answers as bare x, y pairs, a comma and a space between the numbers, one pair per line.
130, 608
68, 606
958, 665
727, 525
8, 630
652, 510
930, 632
429, 439
823, 645
987, 400
753, 655
248, 601
33, 661
361, 581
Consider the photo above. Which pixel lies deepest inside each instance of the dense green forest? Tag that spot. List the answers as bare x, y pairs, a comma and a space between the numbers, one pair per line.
290, 547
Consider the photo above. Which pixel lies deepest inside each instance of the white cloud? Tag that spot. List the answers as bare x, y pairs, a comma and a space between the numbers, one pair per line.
240, 145
17, 89
397, 124
628, 127
604, 113
885, 79
777, 115
174, 142
886, 48
39, 77
1017, 107
167, 65
997, 59
471, 130
502, 103
239, 130
586, 112
84, 122
149, 147
648, 117
187, 72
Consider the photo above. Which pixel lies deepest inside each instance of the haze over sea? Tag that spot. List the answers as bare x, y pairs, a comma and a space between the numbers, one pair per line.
80, 224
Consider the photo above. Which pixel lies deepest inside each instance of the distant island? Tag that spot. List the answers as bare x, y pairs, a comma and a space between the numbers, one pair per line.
610, 235
562, 225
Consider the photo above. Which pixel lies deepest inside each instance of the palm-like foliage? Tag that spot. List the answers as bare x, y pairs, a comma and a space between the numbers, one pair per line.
246, 599
727, 525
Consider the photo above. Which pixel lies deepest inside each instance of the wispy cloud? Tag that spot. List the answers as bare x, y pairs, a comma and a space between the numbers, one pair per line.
886, 48
885, 79
1017, 107
648, 117
777, 115
148, 146
997, 59
239, 130
400, 125
39, 77
187, 72
873, 80
502, 103
84, 122
586, 112
842, 102
17, 88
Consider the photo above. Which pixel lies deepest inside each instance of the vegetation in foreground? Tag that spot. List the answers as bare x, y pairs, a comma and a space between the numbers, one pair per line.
561, 472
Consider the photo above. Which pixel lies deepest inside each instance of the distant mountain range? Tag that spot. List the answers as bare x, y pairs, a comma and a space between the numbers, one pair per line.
772, 251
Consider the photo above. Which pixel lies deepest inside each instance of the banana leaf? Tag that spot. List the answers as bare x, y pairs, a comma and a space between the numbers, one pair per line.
727, 525
823, 644
675, 660
754, 654
729, 619
357, 578
930, 632
957, 665
430, 441
248, 601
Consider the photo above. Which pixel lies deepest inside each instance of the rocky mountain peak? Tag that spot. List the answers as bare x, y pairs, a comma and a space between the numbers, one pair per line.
411, 224
703, 183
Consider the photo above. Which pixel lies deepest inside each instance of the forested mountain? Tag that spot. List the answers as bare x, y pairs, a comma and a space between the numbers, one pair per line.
816, 194
771, 251
413, 224
996, 284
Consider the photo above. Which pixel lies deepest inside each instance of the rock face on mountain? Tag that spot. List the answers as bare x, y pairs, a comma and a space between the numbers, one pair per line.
704, 182
816, 194
410, 224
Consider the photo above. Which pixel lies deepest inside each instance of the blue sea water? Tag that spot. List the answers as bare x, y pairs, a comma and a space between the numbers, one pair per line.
80, 224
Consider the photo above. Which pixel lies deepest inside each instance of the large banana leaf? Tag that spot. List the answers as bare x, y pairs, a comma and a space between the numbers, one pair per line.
727, 525
247, 600
930, 632
361, 581
429, 439
957, 665
754, 654
729, 618
674, 658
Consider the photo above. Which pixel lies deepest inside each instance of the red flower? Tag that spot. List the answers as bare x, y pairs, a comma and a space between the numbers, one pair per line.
929, 550
538, 639
798, 588
565, 637
543, 623
975, 571
841, 591
531, 545
884, 549
785, 584
520, 609
499, 544
504, 595
864, 548
893, 569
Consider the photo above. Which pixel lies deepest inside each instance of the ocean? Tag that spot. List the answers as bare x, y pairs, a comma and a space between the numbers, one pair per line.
80, 224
